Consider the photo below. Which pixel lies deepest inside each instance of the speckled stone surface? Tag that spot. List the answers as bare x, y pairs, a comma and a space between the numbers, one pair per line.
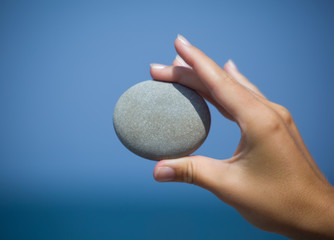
160, 120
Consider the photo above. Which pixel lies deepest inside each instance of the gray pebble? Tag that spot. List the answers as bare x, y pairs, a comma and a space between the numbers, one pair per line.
159, 120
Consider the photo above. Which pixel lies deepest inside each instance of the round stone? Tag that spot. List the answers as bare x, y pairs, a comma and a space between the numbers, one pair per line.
159, 120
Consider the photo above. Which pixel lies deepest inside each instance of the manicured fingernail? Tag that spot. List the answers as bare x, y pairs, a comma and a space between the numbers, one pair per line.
232, 65
181, 61
165, 174
183, 40
158, 66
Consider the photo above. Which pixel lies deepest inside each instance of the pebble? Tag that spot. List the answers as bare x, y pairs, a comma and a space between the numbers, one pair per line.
161, 120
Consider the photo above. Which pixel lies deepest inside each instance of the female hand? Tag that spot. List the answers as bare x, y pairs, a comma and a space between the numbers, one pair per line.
271, 179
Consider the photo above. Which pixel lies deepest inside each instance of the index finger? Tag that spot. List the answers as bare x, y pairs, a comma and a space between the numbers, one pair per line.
231, 95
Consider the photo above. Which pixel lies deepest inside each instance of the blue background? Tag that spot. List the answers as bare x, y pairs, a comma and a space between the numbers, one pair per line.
64, 64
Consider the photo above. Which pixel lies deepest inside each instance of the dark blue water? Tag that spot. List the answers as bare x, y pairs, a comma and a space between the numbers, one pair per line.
124, 221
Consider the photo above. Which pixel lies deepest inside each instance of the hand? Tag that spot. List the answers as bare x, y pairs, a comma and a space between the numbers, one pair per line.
271, 179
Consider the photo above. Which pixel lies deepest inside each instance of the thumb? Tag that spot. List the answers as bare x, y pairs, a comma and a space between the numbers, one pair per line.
206, 172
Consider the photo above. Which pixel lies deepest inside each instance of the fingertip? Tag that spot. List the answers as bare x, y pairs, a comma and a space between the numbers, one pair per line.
159, 71
155, 170
157, 66
183, 40
181, 45
180, 62
163, 173
175, 63
232, 65
226, 67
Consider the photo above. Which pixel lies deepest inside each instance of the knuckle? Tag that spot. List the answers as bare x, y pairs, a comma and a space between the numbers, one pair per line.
273, 124
218, 78
228, 79
181, 74
177, 74
262, 119
285, 115
270, 123
189, 173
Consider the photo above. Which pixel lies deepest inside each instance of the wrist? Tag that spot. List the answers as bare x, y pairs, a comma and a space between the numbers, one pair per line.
315, 220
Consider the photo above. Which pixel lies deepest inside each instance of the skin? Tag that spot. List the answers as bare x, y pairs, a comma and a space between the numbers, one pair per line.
271, 179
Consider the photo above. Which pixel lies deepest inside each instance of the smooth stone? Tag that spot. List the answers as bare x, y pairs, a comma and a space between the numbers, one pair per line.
159, 120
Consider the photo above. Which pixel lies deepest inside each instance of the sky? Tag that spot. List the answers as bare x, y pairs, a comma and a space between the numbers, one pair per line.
63, 66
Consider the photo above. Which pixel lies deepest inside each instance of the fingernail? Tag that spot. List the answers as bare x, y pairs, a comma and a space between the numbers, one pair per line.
232, 65
158, 66
165, 174
183, 40
181, 61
